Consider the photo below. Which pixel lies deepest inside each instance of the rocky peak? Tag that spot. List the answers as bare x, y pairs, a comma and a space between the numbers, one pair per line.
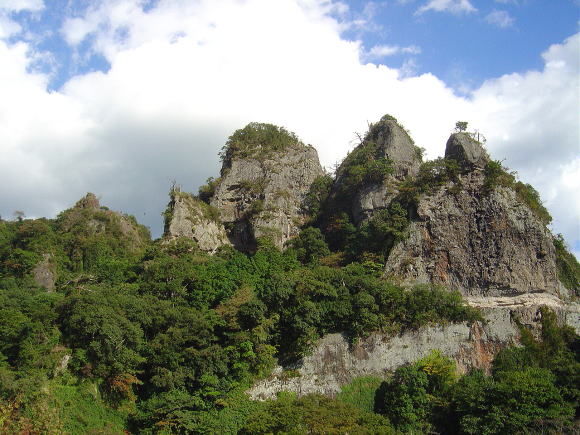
89, 202
371, 172
467, 151
265, 177
395, 144
189, 217
477, 235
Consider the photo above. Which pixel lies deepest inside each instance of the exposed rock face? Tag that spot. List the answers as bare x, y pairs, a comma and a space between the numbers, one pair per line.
466, 150
194, 219
44, 273
393, 143
334, 363
480, 243
263, 196
396, 145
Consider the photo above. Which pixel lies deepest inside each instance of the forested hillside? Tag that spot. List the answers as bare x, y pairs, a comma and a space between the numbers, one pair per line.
103, 330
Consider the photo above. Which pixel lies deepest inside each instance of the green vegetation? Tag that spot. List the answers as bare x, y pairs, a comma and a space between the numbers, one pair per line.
207, 191
533, 389
258, 141
313, 414
497, 175
361, 392
159, 337
163, 338
568, 266
362, 166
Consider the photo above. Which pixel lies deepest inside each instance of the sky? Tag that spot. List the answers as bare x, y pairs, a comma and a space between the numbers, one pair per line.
124, 97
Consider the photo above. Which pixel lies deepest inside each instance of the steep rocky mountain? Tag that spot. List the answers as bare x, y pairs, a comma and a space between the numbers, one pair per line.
483, 242
472, 227
265, 177
383, 286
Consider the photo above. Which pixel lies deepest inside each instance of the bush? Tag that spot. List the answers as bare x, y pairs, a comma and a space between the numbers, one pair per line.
568, 266
257, 140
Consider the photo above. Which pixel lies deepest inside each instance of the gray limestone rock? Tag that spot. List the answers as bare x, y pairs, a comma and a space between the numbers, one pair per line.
44, 273
333, 362
481, 244
466, 150
191, 218
394, 143
264, 195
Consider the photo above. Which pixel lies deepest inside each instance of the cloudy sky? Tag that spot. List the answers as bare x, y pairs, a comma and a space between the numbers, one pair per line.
123, 97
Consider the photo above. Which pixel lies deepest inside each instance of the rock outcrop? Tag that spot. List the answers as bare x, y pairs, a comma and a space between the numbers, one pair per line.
44, 273
386, 139
191, 218
334, 362
465, 234
481, 243
262, 190
466, 150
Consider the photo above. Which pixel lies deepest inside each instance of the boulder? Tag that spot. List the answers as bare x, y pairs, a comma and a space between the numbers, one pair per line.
467, 151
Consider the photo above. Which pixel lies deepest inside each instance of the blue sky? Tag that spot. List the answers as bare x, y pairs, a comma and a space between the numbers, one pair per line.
122, 97
463, 46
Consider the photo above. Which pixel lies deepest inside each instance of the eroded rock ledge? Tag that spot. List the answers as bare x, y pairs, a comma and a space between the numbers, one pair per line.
334, 362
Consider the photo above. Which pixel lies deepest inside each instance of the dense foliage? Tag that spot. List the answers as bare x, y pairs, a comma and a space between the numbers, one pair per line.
161, 337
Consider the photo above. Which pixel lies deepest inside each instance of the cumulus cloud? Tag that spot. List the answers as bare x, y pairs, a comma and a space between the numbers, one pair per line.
183, 77
500, 19
456, 7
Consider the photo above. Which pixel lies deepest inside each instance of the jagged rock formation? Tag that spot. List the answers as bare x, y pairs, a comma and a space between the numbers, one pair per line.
194, 219
482, 240
262, 188
386, 141
334, 362
481, 243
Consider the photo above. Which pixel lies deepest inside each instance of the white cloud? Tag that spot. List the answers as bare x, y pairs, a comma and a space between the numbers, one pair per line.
500, 19
456, 7
8, 27
381, 51
184, 76
21, 5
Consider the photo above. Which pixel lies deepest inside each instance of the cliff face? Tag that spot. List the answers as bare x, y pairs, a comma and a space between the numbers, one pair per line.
483, 243
191, 218
334, 362
388, 143
465, 233
262, 192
